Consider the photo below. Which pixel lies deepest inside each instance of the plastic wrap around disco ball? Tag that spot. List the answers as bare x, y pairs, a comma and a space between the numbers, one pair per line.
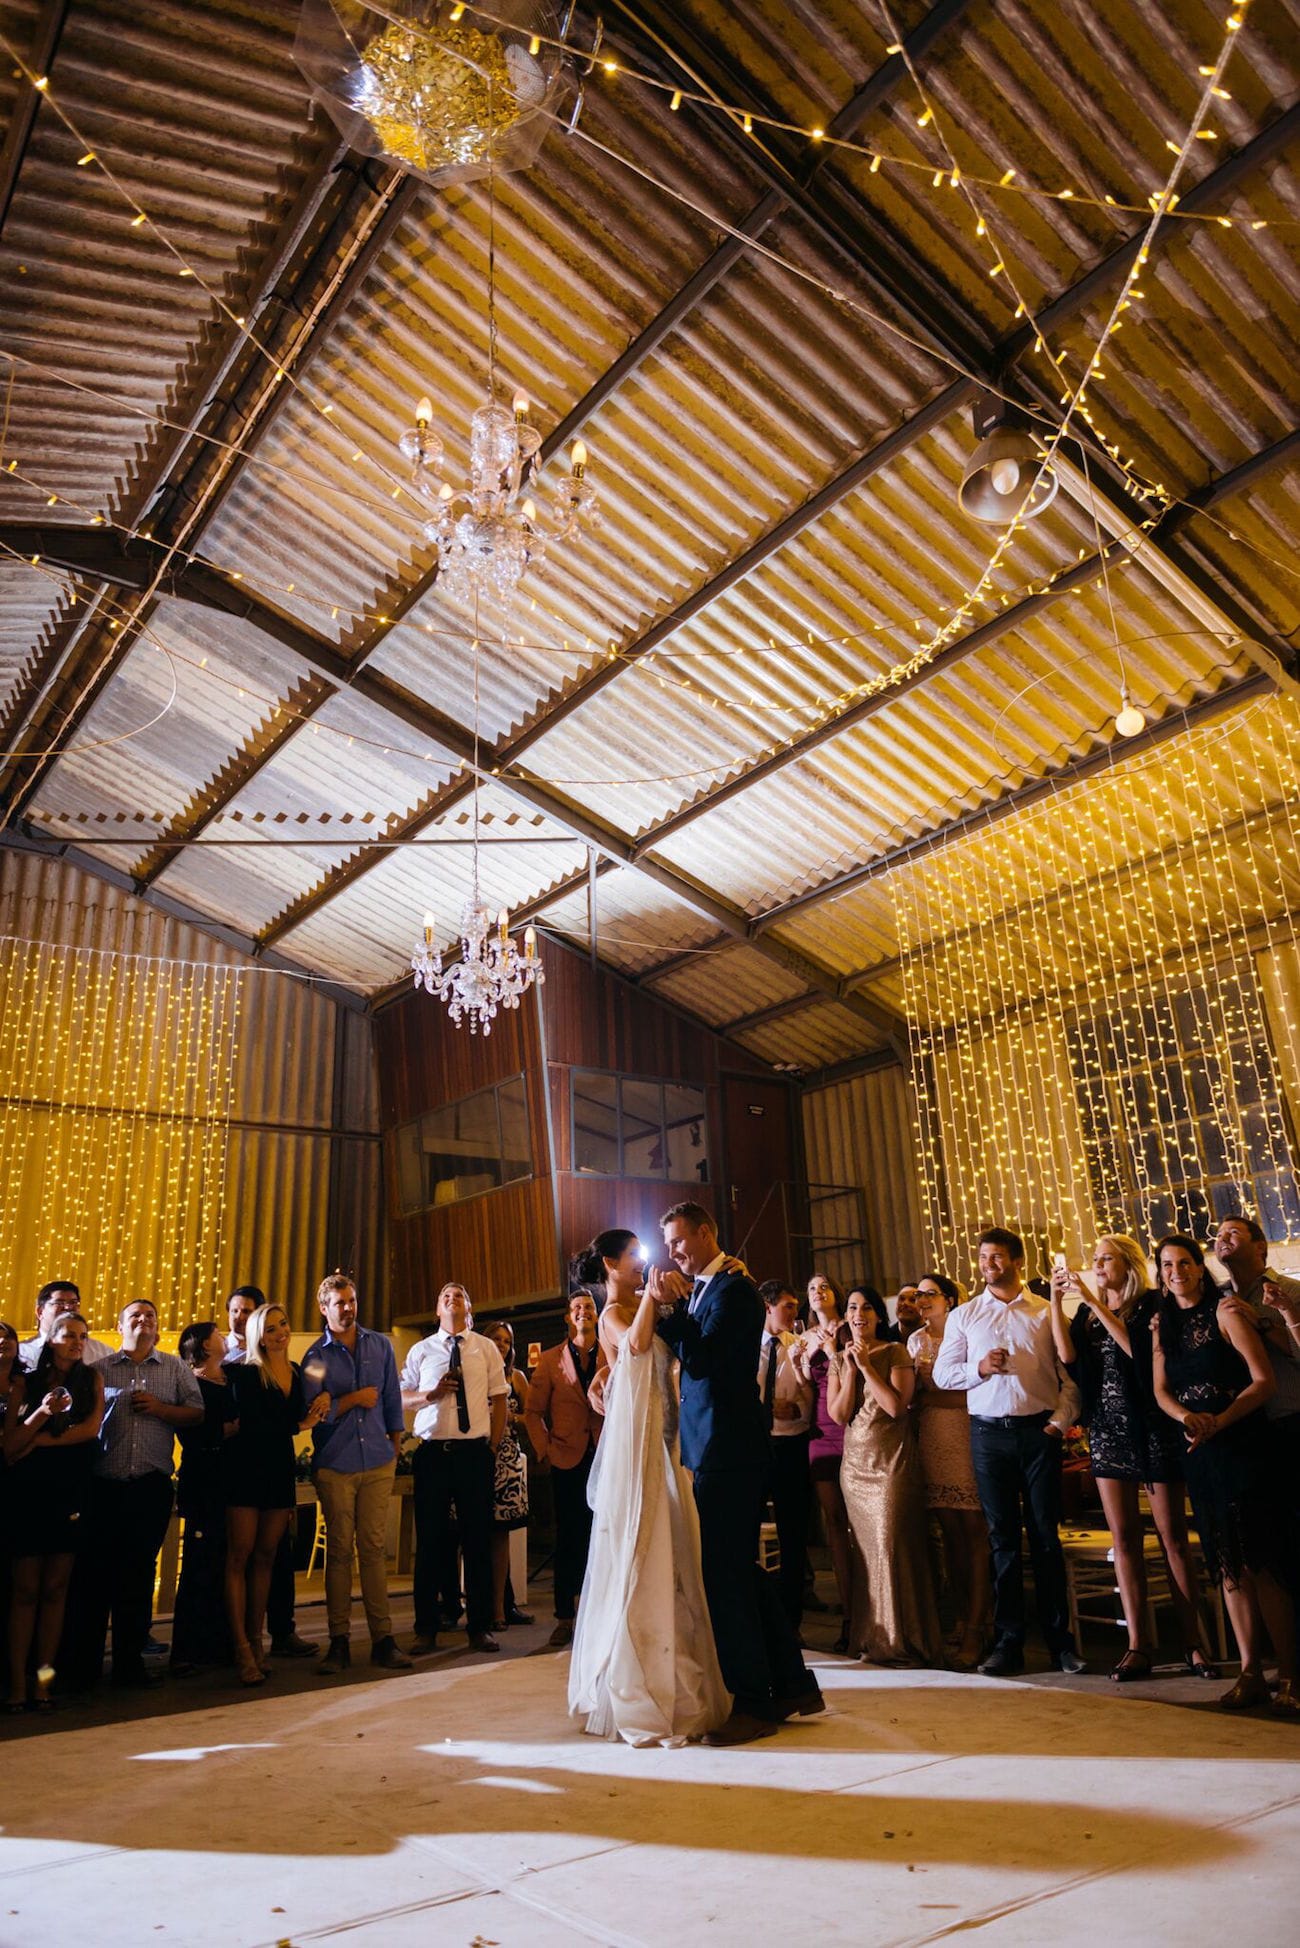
446, 98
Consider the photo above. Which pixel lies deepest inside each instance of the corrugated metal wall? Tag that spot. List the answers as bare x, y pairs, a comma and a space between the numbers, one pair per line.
291, 1092
858, 1133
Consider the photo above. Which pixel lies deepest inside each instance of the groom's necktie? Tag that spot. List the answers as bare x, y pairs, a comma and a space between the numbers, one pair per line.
769, 1381
697, 1291
457, 1373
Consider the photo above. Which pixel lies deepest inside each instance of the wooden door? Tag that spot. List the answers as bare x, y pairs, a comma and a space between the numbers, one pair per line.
758, 1191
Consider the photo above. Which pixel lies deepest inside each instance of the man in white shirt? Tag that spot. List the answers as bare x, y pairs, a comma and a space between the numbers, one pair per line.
1000, 1348
55, 1301
456, 1384
787, 1403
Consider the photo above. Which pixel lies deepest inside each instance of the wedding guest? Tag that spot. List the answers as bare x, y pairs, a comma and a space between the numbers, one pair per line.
1000, 1348
1106, 1347
149, 1396
240, 1307
1272, 1304
510, 1481
787, 1404
200, 1630
907, 1312
285, 1641
52, 1419
355, 1448
456, 1384
54, 1300
885, 1328
261, 1485
564, 1428
951, 1491
893, 1619
11, 1370
810, 1356
1212, 1376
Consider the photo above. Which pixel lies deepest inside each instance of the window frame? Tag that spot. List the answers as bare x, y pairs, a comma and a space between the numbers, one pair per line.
662, 1084
492, 1089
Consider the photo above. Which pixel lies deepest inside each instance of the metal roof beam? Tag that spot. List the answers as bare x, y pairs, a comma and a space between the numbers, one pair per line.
85, 862
27, 105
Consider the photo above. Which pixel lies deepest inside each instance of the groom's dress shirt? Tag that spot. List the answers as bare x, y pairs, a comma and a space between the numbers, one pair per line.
1034, 1382
702, 1279
790, 1389
484, 1380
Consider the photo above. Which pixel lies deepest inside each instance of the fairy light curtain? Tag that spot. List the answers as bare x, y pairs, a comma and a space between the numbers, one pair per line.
113, 1124
1103, 999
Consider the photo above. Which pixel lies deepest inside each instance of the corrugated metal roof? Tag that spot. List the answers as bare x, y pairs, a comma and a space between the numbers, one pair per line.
754, 398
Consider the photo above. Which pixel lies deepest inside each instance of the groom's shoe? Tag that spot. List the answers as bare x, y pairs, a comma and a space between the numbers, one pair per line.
742, 1728
562, 1634
803, 1704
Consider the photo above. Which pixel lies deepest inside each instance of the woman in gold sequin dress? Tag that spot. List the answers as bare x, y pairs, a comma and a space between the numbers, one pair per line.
869, 1391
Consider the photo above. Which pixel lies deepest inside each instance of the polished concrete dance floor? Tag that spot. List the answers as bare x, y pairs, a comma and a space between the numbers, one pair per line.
456, 1807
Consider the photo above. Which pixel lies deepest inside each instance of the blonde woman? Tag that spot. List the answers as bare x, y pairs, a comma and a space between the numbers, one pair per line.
1107, 1348
261, 1490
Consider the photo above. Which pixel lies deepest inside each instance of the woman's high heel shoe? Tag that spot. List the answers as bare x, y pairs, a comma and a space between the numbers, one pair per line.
250, 1671
1204, 1669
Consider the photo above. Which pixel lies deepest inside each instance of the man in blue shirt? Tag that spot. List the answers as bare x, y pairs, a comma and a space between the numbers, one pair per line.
355, 1459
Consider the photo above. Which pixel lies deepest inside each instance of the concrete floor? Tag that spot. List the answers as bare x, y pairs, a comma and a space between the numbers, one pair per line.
455, 1806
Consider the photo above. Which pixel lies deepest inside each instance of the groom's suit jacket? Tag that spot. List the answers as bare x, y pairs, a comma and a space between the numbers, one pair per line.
722, 1421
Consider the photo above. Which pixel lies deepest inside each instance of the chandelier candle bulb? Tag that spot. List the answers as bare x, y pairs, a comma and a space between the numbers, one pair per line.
428, 929
424, 412
503, 927
579, 459
520, 403
530, 943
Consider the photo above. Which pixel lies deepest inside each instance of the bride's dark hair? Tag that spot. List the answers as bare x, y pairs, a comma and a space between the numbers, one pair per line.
589, 1265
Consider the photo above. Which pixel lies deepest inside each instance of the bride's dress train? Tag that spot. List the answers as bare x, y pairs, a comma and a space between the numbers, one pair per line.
644, 1666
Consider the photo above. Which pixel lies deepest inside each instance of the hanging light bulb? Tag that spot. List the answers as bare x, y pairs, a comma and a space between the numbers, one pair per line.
1130, 719
1001, 468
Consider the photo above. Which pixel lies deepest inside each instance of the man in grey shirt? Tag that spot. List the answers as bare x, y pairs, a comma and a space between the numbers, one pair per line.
148, 1396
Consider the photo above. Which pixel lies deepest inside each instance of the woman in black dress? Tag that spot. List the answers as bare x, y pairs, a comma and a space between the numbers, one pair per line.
1212, 1376
261, 1489
1106, 1348
200, 1631
53, 1419
510, 1482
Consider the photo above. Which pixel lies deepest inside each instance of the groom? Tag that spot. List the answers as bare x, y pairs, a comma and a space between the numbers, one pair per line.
712, 1317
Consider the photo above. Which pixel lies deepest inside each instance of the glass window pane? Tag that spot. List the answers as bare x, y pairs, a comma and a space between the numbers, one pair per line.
516, 1142
643, 1129
411, 1192
461, 1148
595, 1123
687, 1133
1246, 1074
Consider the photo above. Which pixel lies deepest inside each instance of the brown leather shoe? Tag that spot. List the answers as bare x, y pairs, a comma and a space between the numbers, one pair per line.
480, 1640
803, 1704
1286, 1702
741, 1729
562, 1635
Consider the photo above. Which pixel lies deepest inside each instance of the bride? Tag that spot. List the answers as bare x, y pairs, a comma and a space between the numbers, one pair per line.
644, 1666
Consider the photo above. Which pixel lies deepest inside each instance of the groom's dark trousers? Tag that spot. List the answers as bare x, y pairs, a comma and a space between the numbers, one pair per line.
724, 1439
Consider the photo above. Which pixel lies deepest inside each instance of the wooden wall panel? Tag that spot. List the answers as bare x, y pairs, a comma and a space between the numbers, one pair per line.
501, 1245
596, 1020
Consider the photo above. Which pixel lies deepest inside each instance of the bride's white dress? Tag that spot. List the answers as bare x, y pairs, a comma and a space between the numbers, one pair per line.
644, 1666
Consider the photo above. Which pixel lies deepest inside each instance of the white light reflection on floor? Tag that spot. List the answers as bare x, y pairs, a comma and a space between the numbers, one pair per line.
188, 1754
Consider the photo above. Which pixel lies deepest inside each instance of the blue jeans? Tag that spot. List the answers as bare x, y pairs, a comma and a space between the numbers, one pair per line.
1018, 1463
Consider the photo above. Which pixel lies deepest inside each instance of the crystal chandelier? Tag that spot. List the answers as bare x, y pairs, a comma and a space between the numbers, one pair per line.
491, 972
488, 532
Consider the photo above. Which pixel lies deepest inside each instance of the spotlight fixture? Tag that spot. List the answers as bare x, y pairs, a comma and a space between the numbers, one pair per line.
1004, 463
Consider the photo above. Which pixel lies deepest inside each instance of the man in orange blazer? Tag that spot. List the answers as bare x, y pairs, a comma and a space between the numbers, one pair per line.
564, 1428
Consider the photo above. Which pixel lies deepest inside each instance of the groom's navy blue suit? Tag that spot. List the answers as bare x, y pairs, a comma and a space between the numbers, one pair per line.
716, 1334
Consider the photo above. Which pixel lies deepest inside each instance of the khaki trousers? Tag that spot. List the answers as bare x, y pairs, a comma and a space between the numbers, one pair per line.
356, 1521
